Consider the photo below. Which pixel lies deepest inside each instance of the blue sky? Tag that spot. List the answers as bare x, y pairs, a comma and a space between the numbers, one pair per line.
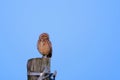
85, 35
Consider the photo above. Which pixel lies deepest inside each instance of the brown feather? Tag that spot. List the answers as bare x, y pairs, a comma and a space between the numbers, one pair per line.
44, 45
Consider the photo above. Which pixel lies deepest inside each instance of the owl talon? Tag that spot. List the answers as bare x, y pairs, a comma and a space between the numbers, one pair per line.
44, 56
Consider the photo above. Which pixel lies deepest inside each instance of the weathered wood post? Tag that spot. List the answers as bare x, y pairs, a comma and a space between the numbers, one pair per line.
36, 66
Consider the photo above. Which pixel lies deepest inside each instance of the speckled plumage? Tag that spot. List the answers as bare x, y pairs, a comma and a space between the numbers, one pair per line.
44, 45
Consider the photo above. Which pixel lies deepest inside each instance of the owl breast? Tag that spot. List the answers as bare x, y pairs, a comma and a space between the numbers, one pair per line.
44, 48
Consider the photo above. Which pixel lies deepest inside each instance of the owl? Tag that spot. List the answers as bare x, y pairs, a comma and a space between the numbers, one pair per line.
44, 45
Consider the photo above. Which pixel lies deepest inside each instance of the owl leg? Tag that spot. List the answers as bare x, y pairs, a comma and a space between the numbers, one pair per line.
44, 56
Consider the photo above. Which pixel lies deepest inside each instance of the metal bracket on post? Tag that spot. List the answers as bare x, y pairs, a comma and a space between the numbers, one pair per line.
53, 75
42, 75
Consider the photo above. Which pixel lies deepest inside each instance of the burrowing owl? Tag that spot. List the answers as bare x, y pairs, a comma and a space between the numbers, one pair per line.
44, 45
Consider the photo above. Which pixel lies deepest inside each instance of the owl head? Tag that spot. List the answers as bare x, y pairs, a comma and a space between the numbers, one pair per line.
44, 36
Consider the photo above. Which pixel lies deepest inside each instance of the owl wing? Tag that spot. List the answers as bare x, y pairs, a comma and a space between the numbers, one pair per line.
38, 43
50, 53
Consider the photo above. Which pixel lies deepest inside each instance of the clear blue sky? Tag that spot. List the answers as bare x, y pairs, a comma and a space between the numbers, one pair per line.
85, 35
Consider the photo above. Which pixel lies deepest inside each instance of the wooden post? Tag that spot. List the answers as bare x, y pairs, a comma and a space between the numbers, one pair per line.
37, 65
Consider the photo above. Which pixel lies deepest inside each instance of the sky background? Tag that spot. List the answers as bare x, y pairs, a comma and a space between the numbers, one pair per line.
85, 36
